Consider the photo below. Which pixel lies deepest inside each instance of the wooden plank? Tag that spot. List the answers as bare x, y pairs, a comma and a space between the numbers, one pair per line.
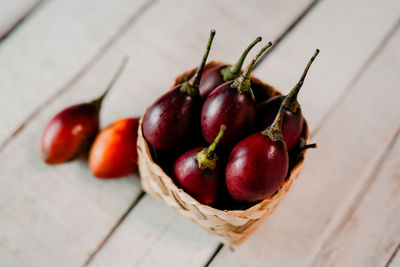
70, 240
347, 35
151, 228
56, 215
351, 141
371, 232
395, 261
50, 49
59, 215
126, 234
152, 60
12, 12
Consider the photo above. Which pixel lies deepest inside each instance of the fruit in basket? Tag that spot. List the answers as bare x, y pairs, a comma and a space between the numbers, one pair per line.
172, 121
71, 131
292, 126
258, 165
113, 153
232, 104
220, 74
197, 171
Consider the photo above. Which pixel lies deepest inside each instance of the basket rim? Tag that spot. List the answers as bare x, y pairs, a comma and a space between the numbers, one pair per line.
292, 172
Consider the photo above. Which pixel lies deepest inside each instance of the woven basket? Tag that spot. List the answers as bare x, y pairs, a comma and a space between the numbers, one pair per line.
232, 227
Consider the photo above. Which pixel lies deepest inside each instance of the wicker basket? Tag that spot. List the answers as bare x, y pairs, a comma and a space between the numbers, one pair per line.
232, 227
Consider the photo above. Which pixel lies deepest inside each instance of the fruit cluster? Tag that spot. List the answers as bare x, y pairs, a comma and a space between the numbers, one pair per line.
217, 141
75, 130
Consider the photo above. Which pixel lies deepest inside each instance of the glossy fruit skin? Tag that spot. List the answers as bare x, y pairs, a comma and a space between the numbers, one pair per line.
292, 126
225, 105
70, 133
261, 92
256, 168
202, 184
172, 122
114, 153
211, 79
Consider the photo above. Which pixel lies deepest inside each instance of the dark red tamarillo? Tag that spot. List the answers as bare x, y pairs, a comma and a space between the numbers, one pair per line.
220, 74
172, 121
232, 104
293, 122
258, 165
71, 131
198, 171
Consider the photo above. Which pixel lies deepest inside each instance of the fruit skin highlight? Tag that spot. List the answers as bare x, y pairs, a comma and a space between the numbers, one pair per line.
114, 153
71, 131
172, 122
198, 171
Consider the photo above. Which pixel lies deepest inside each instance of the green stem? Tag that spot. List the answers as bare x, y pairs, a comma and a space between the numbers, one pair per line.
291, 99
213, 146
274, 131
191, 87
206, 157
232, 72
242, 83
97, 102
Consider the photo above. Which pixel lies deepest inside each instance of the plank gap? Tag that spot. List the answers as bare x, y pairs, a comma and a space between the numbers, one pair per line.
358, 76
217, 250
278, 40
370, 180
393, 255
86, 67
357, 197
102, 243
22, 19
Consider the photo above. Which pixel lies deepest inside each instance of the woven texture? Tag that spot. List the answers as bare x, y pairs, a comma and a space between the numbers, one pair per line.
232, 227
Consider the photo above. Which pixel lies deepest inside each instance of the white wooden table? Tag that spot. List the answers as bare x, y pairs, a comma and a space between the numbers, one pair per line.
344, 210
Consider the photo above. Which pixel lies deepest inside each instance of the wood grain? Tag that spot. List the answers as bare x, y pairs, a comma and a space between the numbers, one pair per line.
370, 233
161, 44
347, 34
56, 215
395, 260
358, 59
350, 143
152, 59
86, 210
50, 50
12, 12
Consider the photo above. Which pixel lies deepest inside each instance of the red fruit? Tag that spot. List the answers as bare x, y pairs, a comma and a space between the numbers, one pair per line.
218, 75
226, 105
113, 153
70, 132
233, 105
258, 165
211, 79
197, 171
293, 121
172, 121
